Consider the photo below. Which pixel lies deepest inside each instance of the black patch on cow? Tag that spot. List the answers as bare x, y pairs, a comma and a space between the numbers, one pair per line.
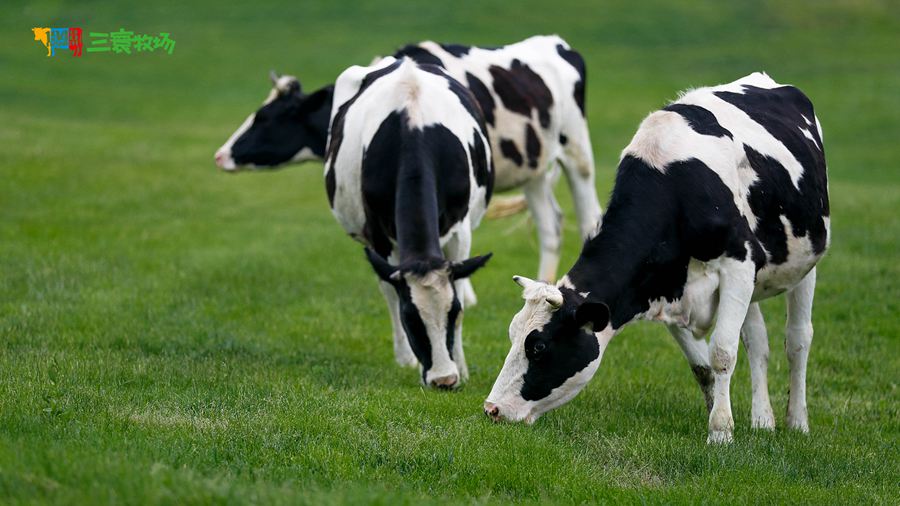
700, 119
418, 54
412, 323
532, 146
563, 139
558, 351
575, 59
457, 50
337, 125
521, 90
509, 150
452, 317
774, 195
482, 165
483, 96
415, 185
655, 223
285, 126
782, 112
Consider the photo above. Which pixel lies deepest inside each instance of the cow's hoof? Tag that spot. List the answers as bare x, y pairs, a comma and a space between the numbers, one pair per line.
763, 422
798, 424
719, 437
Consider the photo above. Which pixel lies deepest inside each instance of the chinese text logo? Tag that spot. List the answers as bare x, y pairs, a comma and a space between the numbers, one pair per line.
120, 42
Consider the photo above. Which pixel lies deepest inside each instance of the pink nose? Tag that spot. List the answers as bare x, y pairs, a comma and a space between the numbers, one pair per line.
220, 157
492, 410
448, 381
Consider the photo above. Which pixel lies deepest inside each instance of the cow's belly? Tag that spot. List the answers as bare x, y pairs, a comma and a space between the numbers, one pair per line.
696, 308
772, 280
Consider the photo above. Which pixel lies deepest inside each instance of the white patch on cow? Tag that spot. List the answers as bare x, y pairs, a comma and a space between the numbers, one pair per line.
806, 133
223, 154
774, 279
304, 155
696, 308
432, 294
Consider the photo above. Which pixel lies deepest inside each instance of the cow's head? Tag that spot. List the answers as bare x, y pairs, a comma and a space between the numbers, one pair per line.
430, 311
558, 339
289, 127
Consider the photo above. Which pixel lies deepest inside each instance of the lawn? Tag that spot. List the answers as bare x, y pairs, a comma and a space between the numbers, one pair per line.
170, 334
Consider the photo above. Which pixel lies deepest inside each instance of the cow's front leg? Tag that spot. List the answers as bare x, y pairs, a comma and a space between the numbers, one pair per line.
548, 221
735, 291
756, 342
403, 354
458, 249
696, 351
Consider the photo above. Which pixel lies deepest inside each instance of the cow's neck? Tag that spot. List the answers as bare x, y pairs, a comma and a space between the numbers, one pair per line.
635, 255
416, 212
319, 120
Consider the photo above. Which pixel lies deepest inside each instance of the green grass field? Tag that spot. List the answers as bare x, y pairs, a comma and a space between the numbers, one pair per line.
174, 335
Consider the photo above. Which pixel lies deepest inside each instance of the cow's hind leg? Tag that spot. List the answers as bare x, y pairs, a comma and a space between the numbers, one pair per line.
797, 342
548, 221
403, 354
736, 280
756, 342
696, 351
577, 161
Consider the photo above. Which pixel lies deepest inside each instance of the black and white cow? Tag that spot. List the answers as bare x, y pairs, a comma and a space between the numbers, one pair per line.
720, 201
532, 97
408, 174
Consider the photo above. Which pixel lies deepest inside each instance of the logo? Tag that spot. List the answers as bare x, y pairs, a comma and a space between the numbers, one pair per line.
120, 42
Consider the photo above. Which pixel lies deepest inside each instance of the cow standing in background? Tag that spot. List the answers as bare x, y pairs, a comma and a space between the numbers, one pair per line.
408, 174
720, 201
532, 97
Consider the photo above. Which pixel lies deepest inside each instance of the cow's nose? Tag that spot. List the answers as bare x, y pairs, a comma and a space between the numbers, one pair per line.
220, 158
492, 410
445, 382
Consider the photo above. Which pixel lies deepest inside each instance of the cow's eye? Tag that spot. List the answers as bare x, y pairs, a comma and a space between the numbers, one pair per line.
539, 348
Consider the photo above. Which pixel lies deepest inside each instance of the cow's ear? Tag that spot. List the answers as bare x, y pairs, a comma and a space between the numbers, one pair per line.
383, 269
595, 314
317, 100
464, 269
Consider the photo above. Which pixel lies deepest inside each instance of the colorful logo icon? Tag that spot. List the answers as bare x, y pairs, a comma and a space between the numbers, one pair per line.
119, 42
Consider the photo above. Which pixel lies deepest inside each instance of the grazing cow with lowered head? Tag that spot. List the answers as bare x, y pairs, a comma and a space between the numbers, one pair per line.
720, 201
532, 97
408, 174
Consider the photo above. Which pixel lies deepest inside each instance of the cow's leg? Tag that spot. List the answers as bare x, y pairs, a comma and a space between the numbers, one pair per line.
458, 249
577, 161
756, 342
796, 345
548, 221
735, 291
696, 351
403, 354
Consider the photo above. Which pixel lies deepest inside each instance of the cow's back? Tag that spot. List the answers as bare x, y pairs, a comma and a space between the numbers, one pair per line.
401, 132
527, 91
764, 142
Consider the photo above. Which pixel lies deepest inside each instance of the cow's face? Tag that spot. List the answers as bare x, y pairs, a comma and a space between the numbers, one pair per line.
289, 127
558, 339
431, 313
